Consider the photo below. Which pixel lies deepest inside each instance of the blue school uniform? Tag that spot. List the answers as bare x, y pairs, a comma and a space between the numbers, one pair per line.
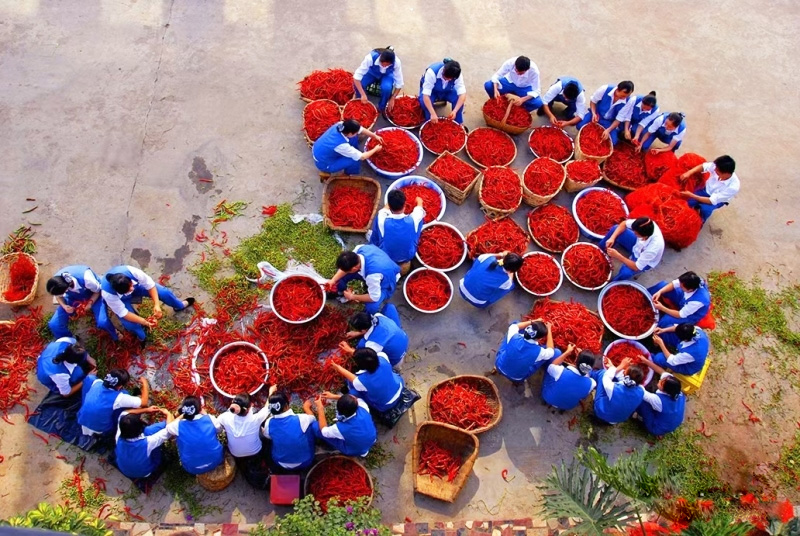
46, 369
663, 135
97, 411
693, 353
133, 459
484, 284
640, 117
399, 236
375, 262
388, 336
292, 447
59, 323
679, 298
621, 405
566, 391
668, 419
440, 92
358, 433
327, 159
385, 79
198, 447
571, 104
519, 358
381, 389
607, 111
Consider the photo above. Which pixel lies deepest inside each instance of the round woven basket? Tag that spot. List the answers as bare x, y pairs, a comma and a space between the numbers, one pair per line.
502, 125
495, 213
337, 459
368, 127
422, 141
572, 143
481, 383
536, 200
572, 186
580, 155
6, 261
510, 139
453, 194
536, 241
220, 477
457, 441
309, 141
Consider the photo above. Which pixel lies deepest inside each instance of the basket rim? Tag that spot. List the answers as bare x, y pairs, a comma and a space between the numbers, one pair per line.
529, 195
428, 183
503, 211
280, 316
637, 344
356, 99
309, 103
601, 158
397, 174
585, 230
564, 132
440, 272
422, 127
7, 259
337, 180
560, 274
610, 272
469, 377
224, 349
448, 491
338, 458
640, 288
482, 166
463, 240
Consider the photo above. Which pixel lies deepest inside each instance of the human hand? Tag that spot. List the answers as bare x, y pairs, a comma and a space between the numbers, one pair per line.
390, 104
352, 334
657, 339
658, 331
451, 116
549, 326
610, 243
364, 98
638, 147
349, 295
379, 139
625, 363
434, 118
307, 405
157, 312
344, 347
687, 194
378, 148
605, 134
626, 134
656, 151
496, 93
570, 348
327, 395
68, 309
555, 122
614, 254
595, 118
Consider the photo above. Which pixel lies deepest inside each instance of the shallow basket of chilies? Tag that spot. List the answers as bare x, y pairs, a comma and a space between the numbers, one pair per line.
7, 278
364, 185
333, 470
477, 386
454, 176
591, 129
455, 440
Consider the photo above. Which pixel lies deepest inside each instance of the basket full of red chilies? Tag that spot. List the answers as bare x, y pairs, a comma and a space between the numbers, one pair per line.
319, 116
364, 112
586, 266
627, 309
582, 174
428, 290
401, 153
442, 459
441, 247
502, 114
625, 168
350, 203
499, 192
542, 180
413, 186
454, 176
297, 299
572, 323
471, 403
597, 210
19, 277
590, 145
552, 227
621, 349
551, 142
406, 113
334, 84
540, 274
339, 479
497, 236
239, 367
488, 146
443, 135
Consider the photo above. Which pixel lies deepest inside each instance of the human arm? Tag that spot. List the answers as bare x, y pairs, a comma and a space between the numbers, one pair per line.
614, 125
596, 97
462, 98
346, 374
560, 359
374, 291
658, 370
307, 407
549, 342
320, 403
93, 285
63, 303
608, 378
359, 74
618, 231
145, 395
429, 80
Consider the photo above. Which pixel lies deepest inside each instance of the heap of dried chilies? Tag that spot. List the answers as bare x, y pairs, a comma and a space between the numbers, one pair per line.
496, 109
461, 404
20, 345
297, 297
431, 201
428, 290
490, 147
437, 461
349, 206
544, 176
572, 324
600, 210
21, 274
625, 167
319, 116
584, 171
591, 142
539, 274
625, 350
240, 370
497, 237
453, 170
657, 164
339, 480
553, 227
550, 142
501, 188
333, 84
628, 310
406, 112
440, 247
586, 265
444, 135
364, 112
400, 151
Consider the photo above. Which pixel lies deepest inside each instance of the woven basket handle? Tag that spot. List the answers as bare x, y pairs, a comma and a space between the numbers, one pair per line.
508, 112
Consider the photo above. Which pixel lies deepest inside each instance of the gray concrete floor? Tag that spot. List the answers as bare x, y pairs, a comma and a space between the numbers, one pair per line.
108, 104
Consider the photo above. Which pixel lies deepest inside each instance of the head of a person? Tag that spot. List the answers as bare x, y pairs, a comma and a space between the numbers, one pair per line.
689, 281
386, 57
673, 121
397, 200
725, 166
278, 402
349, 127
571, 91
685, 331
58, 285
361, 321
121, 283
346, 406
643, 227
240, 404
348, 262
190, 408
649, 101
624, 89
366, 359
522, 64
452, 70
537, 330
512, 262
671, 386
116, 379
585, 362
73, 354
131, 426
636, 374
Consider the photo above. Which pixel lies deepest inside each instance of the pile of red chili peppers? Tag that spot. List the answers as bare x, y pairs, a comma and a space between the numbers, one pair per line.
572, 324
444, 135
600, 210
501, 188
544, 176
400, 151
318, 116
406, 112
453, 170
625, 167
20, 345
431, 201
440, 247
553, 227
461, 404
685, 163
590, 139
584, 171
496, 109
428, 290
539, 274
586, 265
657, 164
349, 206
338, 478
437, 461
21, 276
628, 310
655, 193
496, 237
490, 147
240, 370
550, 142
679, 223
333, 84
364, 112
624, 350
297, 297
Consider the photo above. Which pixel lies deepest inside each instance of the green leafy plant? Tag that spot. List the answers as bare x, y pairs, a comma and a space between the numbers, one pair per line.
60, 519
721, 524
633, 475
307, 519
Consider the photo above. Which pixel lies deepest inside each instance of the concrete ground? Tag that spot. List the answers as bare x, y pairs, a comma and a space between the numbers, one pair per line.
113, 108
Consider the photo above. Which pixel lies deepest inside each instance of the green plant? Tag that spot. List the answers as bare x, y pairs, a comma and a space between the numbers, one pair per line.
720, 524
632, 475
61, 519
307, 519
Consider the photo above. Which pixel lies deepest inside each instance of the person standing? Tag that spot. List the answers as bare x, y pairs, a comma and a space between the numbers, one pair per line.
518, 80
337, 149
442, 81
381, 66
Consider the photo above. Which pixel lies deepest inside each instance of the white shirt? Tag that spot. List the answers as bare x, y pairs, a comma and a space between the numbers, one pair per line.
505, 286
417, 215
242, 431
720, 191
624, 112
332, 431
305, 422
89, 281
345, 149
682, 358
62, 380
648, 251
581, 106
373, 280
114, 301
556, 370
172, 427
649, 119
122, 401
529, 78
153, 441
659, 121
362, 388
691, 307
544, 354
430, 81
367, 63
653, 399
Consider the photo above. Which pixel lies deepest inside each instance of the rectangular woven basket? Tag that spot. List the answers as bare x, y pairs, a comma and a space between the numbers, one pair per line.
453, 439
453, 194
362, 183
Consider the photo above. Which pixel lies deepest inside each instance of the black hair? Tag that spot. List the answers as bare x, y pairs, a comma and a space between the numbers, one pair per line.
396, 200
636, 374
725, 164
243, 401
347, 405
452, 69
650, 99
190, 408
522, 63
387, 54
361, 321
643, 226
685, 331
57, 285
121, 283
512, 262
540, 329
349, 126
366, 359
571, 91
626, 86
676, 118
588, 357
116, 378
672, 387
281, 398
347, 260
73, 354
690, 280
130, 426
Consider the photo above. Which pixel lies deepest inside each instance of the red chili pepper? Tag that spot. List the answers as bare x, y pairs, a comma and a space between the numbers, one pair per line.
333, 84
679, 223
501, 188
440, 246
201, 237
539, 273
550, 142
590, 139
268, 210
657, 164
60, 457
496, 109
624, 350
431, 201
490, 147
2, 459
544, 176
454, 171
349, 206
572, 323
21, 275
399, 154
460, 404
572, 422
438, 461
5, 418
364, 112
297, 297
504, 474
600, 210
319, 116
204, 180
137, 517
625, 166
553, 227
586, 265
336, 481
496, 237
428, 290
628, 310
406, 112
444, 135
584, 171
40, 436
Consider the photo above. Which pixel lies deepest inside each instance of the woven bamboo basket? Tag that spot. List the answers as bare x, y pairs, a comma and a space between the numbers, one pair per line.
337, 459
542, 246
472, 232
480, 383
618, 185
536, 200
309, 141
510, 139
493, 212
422, 141
454, 439
594, 313
5, 279
362, 183
368, 127
569, 278
220, 477
453, 194
502, 125
572, 186
580, 155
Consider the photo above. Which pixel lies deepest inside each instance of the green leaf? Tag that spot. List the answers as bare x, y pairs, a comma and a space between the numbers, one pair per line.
720, 524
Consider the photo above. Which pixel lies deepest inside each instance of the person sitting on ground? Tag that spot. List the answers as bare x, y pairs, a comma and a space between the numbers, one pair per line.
242, 428
666, 128
662, 412
396, 233
138, 449
563, 386
645, 110
104, 399
371, 265
691, 345
520, 355
375, 381
199, 448
293, 436
619, 391
382, 332
63, 365
490, 277
610, 106
354, 433
643, 238
720, 188
71, 286
517, 80
689, 298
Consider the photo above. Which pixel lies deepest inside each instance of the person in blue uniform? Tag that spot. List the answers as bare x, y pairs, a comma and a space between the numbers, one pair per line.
396, 233
643, 238
490, 277
564, 386
371, 265
518, 80
199, 448
688, 296
121, 285
610, 106
374, 381
691, 344
520, 355
63, 365
662, 412
353, 433
293, 436
569, 92
442, 81
72, 285
666, 128
383, 332
645, 110
619, 391
381, 66
337, 149
104, 399
720, 188
138, 449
